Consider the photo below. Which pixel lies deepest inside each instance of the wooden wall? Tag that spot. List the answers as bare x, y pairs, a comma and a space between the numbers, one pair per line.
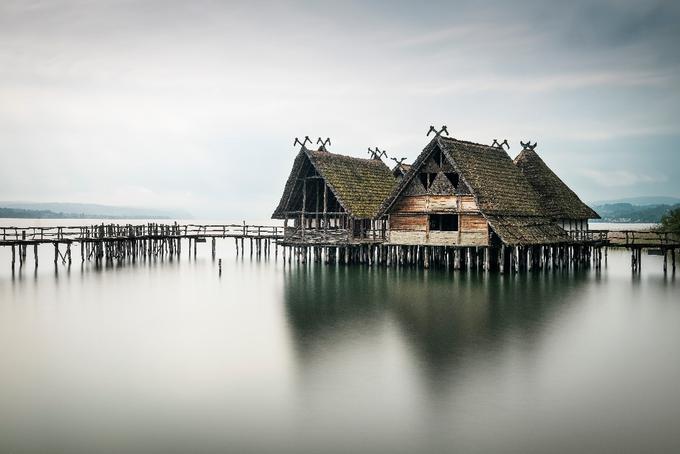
435, 204
573, 224
413, 229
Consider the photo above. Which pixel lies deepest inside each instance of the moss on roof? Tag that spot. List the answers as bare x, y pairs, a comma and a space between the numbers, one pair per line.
504, 196
527, 230
360, 185
557, 199
498, 185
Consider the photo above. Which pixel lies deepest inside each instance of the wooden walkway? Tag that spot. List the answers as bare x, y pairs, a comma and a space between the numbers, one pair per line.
111, 242
115, 242
628, 238
656, 243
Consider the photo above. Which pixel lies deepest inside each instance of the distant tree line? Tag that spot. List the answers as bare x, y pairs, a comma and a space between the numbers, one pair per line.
627, 212
670, 222
48, 214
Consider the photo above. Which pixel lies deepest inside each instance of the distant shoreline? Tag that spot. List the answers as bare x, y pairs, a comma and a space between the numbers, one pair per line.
20, 213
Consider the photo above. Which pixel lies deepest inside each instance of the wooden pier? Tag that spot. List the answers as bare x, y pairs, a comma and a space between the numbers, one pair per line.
108, 243
114, 242
583, 249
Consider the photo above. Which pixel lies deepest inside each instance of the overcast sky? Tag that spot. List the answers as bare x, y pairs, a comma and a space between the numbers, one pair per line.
195, 104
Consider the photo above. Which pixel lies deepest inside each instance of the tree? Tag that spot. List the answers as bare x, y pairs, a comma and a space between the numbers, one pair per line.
670, 222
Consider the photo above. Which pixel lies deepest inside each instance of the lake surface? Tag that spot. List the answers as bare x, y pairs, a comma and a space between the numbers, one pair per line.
170, 357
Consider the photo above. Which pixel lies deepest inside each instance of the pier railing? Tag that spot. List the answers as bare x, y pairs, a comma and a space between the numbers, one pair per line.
103, 231
588, 235
627, 238
641, 238
621, 238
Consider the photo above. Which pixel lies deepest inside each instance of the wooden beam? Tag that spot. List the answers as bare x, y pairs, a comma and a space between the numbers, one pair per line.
316, 200
304, 206
325, 206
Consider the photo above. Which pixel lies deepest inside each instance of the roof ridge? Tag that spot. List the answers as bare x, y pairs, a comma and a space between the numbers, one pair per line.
467, 142
330, 153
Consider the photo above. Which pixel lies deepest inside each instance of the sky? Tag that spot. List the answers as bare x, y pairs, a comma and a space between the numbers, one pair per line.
195, 105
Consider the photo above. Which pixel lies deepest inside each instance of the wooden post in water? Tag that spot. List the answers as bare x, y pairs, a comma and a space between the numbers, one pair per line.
639, 259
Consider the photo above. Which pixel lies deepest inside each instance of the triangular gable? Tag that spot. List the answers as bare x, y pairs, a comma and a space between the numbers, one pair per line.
410, 183
293, 184
359, 185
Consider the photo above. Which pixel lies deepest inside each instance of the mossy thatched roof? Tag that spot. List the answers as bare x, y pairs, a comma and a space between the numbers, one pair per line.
497, 184
557, 199
504, 196
527, 230
360, 185
400, 170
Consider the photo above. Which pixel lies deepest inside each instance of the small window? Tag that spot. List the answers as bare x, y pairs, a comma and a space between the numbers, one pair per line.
424, 179
427, 179
444, 222
453, 178
437, 157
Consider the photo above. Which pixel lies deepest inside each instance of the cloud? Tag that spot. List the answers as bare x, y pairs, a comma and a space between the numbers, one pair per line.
545, 83
198, 102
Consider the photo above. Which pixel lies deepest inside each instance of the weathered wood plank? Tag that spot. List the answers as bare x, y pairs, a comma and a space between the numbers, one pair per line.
413, 223
473, 223
407, 237
435, 204
411, 204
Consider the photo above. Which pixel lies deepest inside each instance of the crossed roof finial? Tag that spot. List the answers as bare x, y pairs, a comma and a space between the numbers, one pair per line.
437, 133
528, 145
377, 153
303, 142
323, 143
398, 161
500, 145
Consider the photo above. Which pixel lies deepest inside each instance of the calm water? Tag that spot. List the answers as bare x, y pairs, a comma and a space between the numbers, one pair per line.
169, 357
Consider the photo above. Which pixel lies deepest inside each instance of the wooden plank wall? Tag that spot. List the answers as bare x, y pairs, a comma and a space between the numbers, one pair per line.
435, 204
413, 229
409, 222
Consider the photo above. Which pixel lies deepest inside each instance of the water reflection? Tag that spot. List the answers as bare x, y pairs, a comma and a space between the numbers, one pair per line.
169, 356
445, 316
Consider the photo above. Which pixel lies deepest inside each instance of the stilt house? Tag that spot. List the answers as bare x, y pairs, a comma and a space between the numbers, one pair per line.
559, 202
460, 193
333, 199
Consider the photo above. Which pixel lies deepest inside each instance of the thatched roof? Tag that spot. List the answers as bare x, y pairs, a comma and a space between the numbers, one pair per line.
360, 185
497, 184
526, 230
557, 199
499, 187
504, 196
400, 170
